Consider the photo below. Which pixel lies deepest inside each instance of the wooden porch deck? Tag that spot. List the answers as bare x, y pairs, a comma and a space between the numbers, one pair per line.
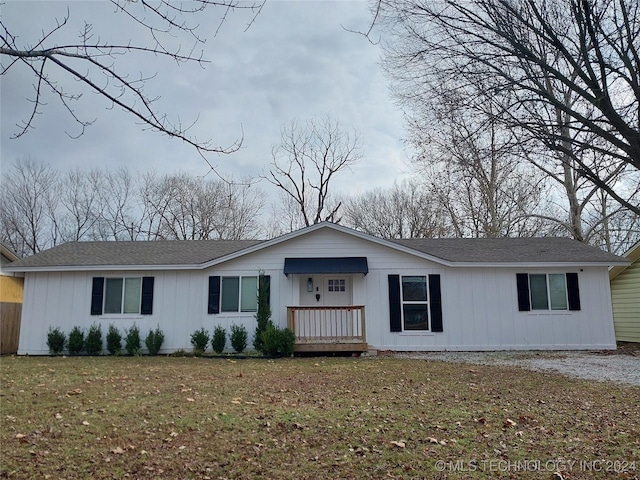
328, 329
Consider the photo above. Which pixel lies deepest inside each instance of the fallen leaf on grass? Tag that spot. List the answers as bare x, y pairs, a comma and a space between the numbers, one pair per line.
191, 399
509, 423
432, 440
117, 451
85, 423
398, 444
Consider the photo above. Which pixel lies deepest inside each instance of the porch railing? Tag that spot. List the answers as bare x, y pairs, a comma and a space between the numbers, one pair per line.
330, 325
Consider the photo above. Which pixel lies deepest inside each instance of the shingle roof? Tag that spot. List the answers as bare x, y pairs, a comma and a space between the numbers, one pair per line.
195, 253
510, 250
162, 252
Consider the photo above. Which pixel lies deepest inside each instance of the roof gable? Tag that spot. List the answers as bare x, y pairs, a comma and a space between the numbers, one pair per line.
633, 255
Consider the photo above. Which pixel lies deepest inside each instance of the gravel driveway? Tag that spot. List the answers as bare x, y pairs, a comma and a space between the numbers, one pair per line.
599, 366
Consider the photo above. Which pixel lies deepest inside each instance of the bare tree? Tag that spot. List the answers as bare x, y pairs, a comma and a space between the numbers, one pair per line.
40, 208
187, 208
285, 216
472, 165
240, 209
580, 207
307, 161
116, 208
163, 30
609, 226
154, 206
406, 210
78, 206
559, 71
26, 204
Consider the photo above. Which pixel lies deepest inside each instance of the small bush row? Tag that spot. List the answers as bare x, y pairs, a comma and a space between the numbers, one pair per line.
92, 342
274, 341
200, 339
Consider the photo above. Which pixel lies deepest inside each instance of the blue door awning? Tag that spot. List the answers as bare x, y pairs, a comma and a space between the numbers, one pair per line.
326, 265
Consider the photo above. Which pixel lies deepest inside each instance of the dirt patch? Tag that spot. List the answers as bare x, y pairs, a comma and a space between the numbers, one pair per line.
624, 348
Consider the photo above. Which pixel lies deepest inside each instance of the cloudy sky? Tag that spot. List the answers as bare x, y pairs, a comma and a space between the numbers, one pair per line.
297, 61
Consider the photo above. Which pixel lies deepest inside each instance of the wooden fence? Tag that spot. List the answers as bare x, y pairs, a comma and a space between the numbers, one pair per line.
10, 314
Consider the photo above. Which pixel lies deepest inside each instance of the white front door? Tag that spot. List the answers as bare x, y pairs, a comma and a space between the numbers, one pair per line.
325, 290
336, 290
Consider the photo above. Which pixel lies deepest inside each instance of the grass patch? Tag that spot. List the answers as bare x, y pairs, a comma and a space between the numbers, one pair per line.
150, 417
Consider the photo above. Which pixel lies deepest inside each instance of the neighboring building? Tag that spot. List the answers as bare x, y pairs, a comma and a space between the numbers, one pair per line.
337, 288
11, 290
625, 295
6, 257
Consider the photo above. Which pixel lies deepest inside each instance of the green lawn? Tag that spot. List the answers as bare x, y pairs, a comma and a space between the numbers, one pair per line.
166, 417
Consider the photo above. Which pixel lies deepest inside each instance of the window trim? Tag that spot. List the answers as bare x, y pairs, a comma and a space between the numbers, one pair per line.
426, 303
549, 300
122, 296
239, 308
98, 297
572, 292
337, 285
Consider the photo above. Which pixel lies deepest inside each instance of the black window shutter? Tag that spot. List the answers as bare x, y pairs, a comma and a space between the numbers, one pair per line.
146, 307
97, 292
214, 295
395, 316
435, 305
573, 291
267, 282
522, 281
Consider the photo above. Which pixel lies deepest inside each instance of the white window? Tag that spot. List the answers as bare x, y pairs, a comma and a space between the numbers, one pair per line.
415, 312
122, 295
239, 294
548, 291
336, 285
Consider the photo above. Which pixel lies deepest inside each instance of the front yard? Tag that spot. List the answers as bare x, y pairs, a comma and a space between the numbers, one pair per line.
166, 417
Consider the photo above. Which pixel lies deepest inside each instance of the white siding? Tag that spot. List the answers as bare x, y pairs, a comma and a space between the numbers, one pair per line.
480, 310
